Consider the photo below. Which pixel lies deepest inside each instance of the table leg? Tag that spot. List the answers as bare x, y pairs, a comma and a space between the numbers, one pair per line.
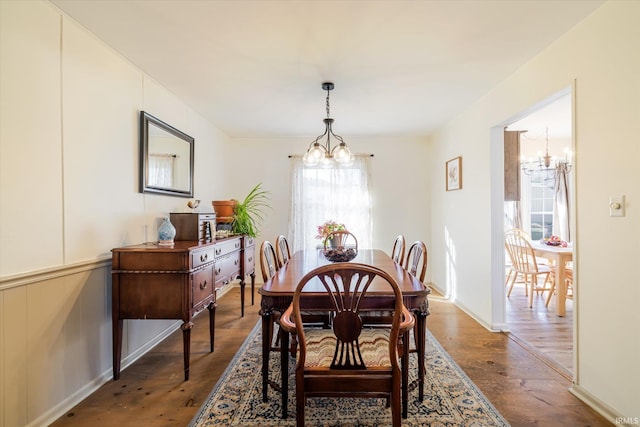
420, 334
284, 366
266, 347
186, 344
561, 287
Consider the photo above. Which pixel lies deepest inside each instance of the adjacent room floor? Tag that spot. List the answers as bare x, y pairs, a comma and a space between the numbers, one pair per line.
540, 328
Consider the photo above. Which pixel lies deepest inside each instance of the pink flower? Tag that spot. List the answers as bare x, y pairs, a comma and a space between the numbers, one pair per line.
329, 227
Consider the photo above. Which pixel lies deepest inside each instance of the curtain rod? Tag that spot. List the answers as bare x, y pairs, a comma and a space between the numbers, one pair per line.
299, 155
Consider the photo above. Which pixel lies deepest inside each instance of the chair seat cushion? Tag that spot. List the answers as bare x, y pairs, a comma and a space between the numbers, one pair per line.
321, 345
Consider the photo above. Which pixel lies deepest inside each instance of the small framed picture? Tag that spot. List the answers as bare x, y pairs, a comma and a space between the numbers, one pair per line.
454, 174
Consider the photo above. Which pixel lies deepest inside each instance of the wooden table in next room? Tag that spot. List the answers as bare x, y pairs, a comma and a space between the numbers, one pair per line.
559, 256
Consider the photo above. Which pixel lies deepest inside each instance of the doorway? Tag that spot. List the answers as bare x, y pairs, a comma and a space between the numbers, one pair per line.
545, 137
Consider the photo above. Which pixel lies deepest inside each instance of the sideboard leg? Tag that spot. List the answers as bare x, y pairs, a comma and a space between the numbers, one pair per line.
117, 346
186, 343
242, 285
212, 323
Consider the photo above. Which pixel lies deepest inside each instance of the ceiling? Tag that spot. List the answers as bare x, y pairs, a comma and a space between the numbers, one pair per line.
254, 68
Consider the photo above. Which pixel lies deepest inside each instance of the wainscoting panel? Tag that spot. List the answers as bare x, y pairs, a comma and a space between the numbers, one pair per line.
56, 341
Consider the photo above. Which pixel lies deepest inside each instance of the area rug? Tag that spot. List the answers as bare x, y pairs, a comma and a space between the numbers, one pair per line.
451, 399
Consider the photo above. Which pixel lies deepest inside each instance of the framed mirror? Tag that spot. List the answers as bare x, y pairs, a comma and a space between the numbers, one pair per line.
166, 158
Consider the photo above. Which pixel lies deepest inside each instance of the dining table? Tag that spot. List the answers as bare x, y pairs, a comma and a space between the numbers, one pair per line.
277, 295
559, 256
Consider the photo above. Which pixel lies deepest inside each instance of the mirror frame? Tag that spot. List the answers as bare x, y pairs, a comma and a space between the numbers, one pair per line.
147, 120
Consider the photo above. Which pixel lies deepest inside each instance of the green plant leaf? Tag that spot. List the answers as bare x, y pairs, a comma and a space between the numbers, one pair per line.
250, 213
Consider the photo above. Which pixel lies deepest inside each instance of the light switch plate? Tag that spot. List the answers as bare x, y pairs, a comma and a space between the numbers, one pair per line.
616, 206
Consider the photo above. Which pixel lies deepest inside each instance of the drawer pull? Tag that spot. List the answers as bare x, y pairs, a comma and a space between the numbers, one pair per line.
204, 257
203, 285
237, 245
250, 259
218, 251
218, 270
236, 262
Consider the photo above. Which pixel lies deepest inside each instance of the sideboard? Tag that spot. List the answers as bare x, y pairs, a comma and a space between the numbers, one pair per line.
176, 282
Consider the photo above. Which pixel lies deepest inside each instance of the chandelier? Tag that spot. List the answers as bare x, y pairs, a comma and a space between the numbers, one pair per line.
322, 152
544, 162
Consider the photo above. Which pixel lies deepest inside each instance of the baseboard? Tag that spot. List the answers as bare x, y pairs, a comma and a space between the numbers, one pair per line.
492, 328
602, 408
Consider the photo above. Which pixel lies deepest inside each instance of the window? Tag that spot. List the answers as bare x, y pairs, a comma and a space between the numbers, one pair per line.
542, 195
340, 193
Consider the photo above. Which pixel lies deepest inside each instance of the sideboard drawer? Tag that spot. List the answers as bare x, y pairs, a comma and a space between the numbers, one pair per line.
249, 260
249, 241
202, 257
227, 268
228, 265
202, 285
227, 246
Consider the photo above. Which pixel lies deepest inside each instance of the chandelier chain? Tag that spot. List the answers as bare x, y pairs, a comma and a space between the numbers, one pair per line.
328, 114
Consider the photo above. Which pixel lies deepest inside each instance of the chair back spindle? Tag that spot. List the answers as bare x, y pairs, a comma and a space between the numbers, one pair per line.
417, 260
397, 253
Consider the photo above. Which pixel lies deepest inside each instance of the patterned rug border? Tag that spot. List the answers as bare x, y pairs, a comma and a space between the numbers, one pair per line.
201, 417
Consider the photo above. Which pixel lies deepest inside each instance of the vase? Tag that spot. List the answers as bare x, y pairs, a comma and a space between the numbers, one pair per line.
166, 233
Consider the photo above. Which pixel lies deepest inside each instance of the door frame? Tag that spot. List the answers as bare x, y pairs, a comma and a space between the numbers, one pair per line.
498, 294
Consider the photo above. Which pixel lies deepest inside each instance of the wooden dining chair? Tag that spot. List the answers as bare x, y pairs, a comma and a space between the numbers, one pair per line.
517, 277
268, 260
524, 263
416, 262
269, 267
397, 253
283, 252
348, 360
568, 280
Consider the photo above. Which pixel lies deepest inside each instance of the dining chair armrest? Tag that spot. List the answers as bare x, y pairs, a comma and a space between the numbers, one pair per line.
408, 321
286, 322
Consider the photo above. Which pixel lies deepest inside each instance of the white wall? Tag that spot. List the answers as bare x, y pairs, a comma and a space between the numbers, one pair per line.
69, 143
601, 54
400, 178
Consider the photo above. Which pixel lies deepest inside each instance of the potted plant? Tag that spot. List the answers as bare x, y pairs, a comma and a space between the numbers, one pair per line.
249, 214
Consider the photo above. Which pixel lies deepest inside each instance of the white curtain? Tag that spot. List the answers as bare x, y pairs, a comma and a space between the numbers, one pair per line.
561, 203
339, 193
512, 215
161, 167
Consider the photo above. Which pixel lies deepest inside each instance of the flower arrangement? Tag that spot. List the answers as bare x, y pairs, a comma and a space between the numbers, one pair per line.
555, 241
327, 228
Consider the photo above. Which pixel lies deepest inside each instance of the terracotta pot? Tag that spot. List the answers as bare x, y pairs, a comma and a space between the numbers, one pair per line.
224, 210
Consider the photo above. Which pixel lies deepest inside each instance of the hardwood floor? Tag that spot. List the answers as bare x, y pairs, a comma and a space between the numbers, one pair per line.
540, 328
151, 392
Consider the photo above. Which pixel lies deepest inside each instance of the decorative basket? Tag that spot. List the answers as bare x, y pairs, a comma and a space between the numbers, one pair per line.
340, 246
